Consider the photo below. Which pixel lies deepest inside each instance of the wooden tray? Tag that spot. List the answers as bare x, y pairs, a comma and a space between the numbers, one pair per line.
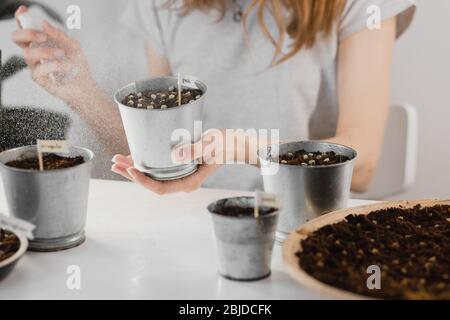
292, 244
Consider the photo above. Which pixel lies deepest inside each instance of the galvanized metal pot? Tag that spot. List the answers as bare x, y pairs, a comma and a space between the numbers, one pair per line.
149, 131
306, 192
54, 200
244, 243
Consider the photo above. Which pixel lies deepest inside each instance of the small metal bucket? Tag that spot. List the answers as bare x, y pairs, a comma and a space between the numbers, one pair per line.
149, 131
244, 243
306, 192
54, 200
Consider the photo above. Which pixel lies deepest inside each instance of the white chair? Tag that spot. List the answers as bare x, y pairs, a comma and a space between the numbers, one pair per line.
396, 171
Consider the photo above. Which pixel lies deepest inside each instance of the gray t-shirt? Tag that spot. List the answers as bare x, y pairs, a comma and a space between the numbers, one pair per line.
299, 97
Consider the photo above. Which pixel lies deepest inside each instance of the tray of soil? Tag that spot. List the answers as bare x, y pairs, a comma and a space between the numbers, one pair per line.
152, 115
409, 241
244, 241
12, 247
310, 178
54, 200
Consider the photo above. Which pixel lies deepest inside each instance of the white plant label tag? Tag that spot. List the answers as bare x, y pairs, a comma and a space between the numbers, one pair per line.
17, 226
189, 82
264, 199
50, 146
53, 146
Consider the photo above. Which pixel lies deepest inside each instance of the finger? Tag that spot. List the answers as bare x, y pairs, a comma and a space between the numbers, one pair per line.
33, 56
121, 171
121, 159
24, 37
59, 36
22, 9
190, 152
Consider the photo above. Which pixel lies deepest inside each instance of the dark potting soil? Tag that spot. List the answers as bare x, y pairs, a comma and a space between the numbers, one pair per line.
235, 211
51, 162
410, 246
160, 99
311, 159
9, 244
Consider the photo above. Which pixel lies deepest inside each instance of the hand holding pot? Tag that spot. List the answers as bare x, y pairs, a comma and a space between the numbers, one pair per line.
56, 60
210, 159
209, 152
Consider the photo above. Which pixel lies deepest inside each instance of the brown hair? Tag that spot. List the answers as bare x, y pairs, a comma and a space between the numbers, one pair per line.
306, 20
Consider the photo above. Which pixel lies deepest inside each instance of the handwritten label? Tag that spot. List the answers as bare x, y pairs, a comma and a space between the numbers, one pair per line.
53, 146
190, 82
17, 226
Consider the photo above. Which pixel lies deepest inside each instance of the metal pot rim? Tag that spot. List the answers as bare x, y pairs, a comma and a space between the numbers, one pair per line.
19, 253
266, 216
351, 161
184, 106
86, 161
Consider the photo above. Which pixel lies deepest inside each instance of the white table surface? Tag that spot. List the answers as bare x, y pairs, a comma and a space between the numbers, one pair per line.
142, 246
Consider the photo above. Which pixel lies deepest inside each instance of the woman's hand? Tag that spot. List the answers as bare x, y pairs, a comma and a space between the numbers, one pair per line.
123, 165
56, 61
211, 152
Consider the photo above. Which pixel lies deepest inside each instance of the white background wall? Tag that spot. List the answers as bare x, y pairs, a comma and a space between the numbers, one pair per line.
421, 77
421, 71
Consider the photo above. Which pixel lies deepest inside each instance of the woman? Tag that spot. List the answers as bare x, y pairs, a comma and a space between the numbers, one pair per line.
309, 68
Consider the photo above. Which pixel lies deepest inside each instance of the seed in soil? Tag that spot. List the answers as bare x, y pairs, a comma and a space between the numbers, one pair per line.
161, 99
412, 269
9, 244
312, 159
51, 162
